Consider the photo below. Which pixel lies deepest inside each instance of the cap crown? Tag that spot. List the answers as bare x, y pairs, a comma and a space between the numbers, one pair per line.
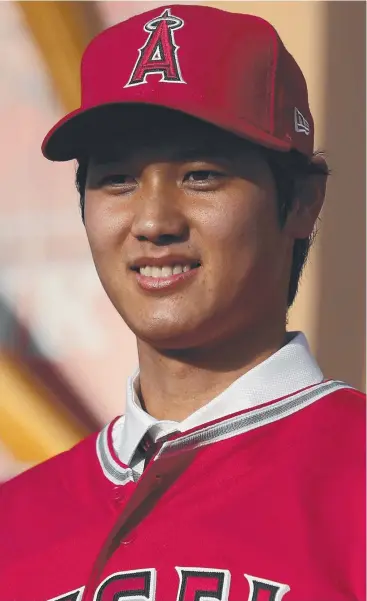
226, 68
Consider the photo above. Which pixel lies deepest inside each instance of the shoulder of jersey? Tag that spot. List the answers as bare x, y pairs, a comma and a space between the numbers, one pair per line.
332, 440
58, 480
351, 400
345, 413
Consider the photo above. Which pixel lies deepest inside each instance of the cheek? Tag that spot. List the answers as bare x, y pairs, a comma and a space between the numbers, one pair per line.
243, 228
247, 255
106, 225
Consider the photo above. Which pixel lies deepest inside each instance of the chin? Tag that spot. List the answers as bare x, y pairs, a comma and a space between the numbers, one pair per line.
165, 333
167, 338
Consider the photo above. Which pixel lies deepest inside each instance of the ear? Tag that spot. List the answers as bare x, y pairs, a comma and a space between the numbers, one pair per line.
308, 202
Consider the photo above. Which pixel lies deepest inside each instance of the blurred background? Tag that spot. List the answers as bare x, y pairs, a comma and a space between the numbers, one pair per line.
64, 353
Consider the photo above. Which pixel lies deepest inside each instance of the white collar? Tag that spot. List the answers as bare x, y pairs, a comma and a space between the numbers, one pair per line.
290, 369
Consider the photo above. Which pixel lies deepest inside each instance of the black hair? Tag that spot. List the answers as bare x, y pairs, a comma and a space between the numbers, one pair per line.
287, 169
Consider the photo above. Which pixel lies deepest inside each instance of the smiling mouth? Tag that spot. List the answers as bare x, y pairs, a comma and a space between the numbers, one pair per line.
166, 271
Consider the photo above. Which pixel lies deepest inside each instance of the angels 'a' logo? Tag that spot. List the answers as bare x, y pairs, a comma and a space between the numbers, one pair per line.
159, 53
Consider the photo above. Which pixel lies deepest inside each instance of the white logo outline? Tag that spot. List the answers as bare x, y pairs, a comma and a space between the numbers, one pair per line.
301, 125
174, 23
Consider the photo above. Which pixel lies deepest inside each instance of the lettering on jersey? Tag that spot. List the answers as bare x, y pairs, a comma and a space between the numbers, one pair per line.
159, 54
259, 587
196, 584
75, 595
201, 584
136, 585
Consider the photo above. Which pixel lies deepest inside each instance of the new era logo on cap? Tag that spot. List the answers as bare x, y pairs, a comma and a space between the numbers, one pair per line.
236, 71
301, 125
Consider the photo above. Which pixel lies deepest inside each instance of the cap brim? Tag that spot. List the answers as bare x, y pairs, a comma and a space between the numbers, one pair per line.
72, 137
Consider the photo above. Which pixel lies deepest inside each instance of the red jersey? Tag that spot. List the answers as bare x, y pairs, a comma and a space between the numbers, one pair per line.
264, 504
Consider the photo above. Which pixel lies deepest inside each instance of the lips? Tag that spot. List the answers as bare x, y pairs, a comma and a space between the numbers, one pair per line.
166, 271
153, 278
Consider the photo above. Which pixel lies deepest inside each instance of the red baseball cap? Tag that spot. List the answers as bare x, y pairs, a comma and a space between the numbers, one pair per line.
228, 69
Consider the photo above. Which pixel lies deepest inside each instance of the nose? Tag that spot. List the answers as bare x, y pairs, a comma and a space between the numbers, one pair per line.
158, 214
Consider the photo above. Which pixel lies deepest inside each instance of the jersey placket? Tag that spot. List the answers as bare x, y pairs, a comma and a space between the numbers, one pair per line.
151, 485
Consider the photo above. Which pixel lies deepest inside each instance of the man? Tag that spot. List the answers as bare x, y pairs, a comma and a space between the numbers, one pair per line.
237, 472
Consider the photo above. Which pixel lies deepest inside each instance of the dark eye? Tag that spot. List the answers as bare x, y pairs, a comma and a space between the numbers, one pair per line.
203, 176
118, 181
204, 180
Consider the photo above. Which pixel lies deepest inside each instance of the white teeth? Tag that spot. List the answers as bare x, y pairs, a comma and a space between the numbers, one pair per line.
166, 272
156, 272
163, 272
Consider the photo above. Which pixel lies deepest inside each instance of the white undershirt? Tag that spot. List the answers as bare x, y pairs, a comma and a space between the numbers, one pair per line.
290, 369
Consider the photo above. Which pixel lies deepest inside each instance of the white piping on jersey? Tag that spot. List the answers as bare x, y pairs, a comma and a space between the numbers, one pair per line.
225, 429
111, 469
239, 424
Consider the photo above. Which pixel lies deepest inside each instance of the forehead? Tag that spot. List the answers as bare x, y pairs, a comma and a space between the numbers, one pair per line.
147, 130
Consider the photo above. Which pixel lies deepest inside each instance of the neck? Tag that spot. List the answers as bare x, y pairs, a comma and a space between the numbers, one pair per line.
174, 384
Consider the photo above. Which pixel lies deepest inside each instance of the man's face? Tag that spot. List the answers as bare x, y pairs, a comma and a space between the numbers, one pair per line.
183, 225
